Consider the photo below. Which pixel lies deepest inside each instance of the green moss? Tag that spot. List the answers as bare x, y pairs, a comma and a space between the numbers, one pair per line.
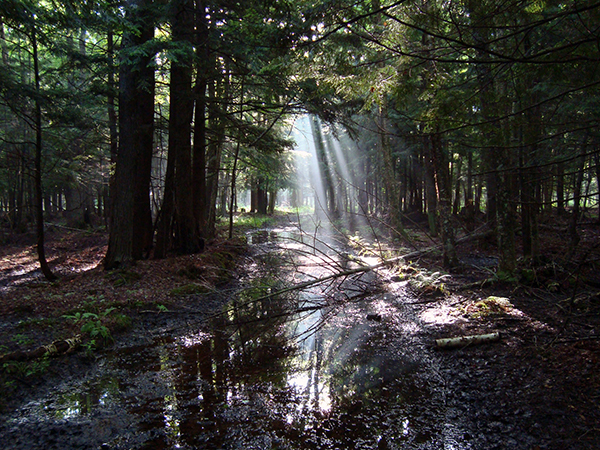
123, 277
492, 305
190, 289
122, 322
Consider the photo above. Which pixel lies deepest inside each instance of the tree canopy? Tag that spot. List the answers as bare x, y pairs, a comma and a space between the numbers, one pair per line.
151, 116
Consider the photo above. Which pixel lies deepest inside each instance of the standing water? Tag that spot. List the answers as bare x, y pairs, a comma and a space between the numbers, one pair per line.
335, 365
338, 362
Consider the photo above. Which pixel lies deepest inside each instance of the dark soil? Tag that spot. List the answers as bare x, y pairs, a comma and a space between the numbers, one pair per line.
537, 388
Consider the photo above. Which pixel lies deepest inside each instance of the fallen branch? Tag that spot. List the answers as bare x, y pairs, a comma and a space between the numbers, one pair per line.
359, 270
56, 348
463, 341
368, 268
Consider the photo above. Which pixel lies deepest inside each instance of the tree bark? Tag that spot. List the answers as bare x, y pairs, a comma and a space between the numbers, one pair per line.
180, 119
597, 163
214, 149
560, 189
496, 154
203, 69
39, 205
444, 201
389, 169
131, 226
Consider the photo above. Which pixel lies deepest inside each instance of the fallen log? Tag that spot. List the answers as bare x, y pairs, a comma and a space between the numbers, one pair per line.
56, 348
463, 341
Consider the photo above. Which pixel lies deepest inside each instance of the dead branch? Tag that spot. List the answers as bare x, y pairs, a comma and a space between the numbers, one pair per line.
463, 341
56, 348
362, 269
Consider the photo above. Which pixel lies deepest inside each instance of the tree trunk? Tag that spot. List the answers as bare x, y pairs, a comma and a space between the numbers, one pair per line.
574, 237
164, 228
200, 199
235, 162
456, 177
496, 155
39, 206
526, 201
214, 149
469, 186
180, 120
389, 168
272, 201
560, 189
431, 194
261, 197
112, 122
597, 162
444, 201
131, 230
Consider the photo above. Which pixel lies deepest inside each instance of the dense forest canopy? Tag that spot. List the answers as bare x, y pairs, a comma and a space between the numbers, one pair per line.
152, 116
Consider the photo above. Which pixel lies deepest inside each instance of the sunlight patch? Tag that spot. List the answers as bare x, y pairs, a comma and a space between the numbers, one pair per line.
441, 315
194, 339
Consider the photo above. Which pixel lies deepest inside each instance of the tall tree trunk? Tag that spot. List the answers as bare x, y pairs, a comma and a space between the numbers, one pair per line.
164, 228
142, 207
597, 163
181, 109
235, 162
574, 237
431, 194
389, 169
526, 206
560, 189
112, 119
39, 206
469, 186
261, 197
498, 161
273, 201
444, 201
457, 187
203, 68
214, 150
131, 224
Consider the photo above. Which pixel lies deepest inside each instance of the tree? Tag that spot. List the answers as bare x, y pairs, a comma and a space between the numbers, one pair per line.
131, 222
478, 84
39, 207
178, 205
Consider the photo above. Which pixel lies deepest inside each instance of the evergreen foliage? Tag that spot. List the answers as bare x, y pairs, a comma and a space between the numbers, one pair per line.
456, 108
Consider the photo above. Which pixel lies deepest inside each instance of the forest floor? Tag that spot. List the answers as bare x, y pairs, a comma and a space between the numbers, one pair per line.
538, 388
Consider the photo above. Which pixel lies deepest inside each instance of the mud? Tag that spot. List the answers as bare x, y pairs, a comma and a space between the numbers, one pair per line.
351, 365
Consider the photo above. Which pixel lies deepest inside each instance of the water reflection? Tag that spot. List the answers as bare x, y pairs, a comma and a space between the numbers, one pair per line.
95, 394
300, 370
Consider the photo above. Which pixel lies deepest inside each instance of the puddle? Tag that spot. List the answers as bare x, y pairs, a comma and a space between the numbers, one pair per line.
94, 394
324, 369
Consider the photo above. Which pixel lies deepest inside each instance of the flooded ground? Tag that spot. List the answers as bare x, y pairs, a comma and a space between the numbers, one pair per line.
345, 364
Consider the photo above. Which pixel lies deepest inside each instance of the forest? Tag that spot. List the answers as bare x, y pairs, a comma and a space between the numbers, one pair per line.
456, 131
152, 116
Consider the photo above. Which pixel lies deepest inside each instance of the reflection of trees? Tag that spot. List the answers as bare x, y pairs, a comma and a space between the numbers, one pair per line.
258, 340
274, 360
85, 401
